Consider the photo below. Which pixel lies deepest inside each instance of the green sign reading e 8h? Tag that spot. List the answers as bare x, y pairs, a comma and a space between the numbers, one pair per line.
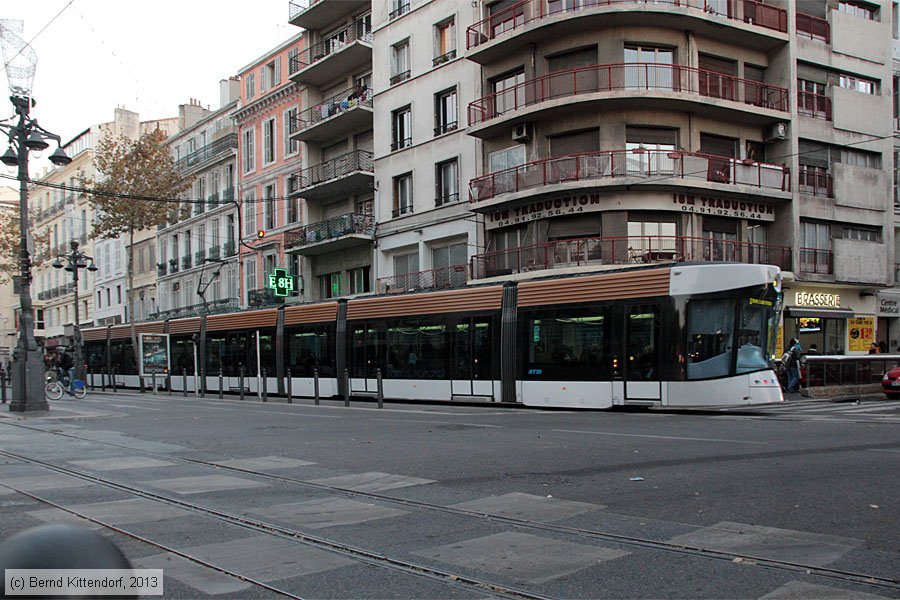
281, 281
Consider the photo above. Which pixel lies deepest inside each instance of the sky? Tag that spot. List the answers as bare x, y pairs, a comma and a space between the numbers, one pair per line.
147, 57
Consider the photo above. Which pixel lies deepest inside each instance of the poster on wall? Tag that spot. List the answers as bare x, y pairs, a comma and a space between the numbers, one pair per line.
154, 353
862, 333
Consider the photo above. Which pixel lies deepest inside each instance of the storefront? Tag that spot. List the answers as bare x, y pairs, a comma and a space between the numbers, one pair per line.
830, 320
887, 328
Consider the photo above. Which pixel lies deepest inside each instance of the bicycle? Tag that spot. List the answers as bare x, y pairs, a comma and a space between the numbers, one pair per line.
55, 388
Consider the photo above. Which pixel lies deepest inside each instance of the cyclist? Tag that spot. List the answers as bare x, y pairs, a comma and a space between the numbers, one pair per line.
65, 370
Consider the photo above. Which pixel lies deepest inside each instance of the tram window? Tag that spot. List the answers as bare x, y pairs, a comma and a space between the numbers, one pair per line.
472, 349
566, 346
753, 337
417, 351
367, 350
95, 356
709, 338
122, 357
215, 351
310, 348
182, 348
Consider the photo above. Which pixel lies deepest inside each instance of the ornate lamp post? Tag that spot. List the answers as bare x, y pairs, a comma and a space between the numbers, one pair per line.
25, 136
76, 260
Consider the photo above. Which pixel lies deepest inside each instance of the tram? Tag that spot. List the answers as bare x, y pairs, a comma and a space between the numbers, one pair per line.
669, 335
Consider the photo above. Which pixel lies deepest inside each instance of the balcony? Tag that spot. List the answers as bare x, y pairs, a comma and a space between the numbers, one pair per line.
334, 117
446, 57
316, 14
402, 9
331, 235
212, 200
813, 28
443, 278
814, 260
186, 262
160, 269
199, 257
213, 307
527, 22
215, 252
343, 52
815, 183
401, 76
229, 249
406, 209
812, 105
207, 153
626, 83
173, 265
261, 298
627, 167
625, 251
228, 194
344, 175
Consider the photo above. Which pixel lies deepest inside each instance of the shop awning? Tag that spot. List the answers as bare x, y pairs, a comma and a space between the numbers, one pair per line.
821, 313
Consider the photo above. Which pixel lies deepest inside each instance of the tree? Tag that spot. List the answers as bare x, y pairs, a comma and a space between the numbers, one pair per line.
135, 188
10, 265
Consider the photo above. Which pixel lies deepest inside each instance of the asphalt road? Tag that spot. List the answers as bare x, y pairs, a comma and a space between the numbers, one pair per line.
438, 501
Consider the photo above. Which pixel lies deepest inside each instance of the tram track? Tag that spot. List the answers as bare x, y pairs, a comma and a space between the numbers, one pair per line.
527, 524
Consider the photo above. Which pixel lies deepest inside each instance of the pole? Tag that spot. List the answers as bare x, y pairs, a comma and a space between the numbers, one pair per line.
2, 386
316, 384
196, 371
242, 381
265, 391
74, 262
346, 387
290, 388
103, 380
91, 377
28, 386
258, 367
221, 375
380, 388
169, 381
113, 378
184, 382
154, 382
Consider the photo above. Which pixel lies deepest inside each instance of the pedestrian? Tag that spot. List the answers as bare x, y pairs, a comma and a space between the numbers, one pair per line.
790, 360
874, 349
813, 349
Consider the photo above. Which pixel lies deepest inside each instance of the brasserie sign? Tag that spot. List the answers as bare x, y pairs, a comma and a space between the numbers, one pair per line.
817, 299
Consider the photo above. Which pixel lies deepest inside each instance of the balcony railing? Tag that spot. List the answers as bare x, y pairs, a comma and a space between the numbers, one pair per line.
207, 152
329, 229
813, 28
199, 257
446, 127
815, 183
401, 76
211, 308
813, 260
215, 252
406, 209
229, 248
173, 265
264, 297
161, 269
627, 76
447, 56
519, 15
402, 9
360, 30
625, 250
401, 143
213, 199
611, 164
228, 194
186, 262
340, 166
448, 199
455, 276
813, 105
331, 107
296, 7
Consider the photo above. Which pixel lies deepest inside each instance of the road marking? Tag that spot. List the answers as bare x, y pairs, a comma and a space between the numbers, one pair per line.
440, 423
284, 412
133, 406
884, 450
662, 437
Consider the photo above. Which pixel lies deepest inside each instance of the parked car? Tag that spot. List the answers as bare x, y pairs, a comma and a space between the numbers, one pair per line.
890, 383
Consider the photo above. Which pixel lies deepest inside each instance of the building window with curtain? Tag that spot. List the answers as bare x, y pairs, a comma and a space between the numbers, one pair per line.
400, 62
446, 118
444, 42
815, 247
403, 195
447, 182
401, 131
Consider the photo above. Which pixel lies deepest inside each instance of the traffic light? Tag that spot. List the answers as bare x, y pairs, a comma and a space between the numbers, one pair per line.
261, 233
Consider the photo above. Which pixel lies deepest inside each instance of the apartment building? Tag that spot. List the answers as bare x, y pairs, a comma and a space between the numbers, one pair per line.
426, 232
333, 248
270, 101
197, 248
637, 132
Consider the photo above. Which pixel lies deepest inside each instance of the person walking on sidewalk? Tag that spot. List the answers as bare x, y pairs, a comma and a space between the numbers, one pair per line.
791, 361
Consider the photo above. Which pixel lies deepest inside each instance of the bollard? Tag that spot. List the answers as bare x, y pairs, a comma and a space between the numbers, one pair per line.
184, 382
221, 375
242, 381
103, 380
153, 380
202, 383
2, 387
346, 387
91, 378
141, 382
113, 378
316, 384
169, 382
380, 388
265, 395
290, 388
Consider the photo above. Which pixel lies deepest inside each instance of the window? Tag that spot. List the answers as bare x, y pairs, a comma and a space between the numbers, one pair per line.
250, 213
502, 164
815, 247
508, 92
271, 75
291, 147
649, 68
292, 204
402, 128
359, 280
651, 239
406, 270
710, 331
270, 207
444, 42
811, 99
857, 84
269, 141
400, 62
248, 152
399, 8
858, 9
450, 263
250, 274
861, 234
649, 150
447, 182
403, 195
330, 285
250, 86
293, 60
860, 158
446, 117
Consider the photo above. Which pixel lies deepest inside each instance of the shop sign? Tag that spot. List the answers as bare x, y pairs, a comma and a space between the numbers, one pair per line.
888, 307
721, 207
281, 281
818, 300
543, 209
862, 333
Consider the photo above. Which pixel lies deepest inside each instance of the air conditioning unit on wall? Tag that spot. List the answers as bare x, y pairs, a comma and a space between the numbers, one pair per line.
776, 133
521, 132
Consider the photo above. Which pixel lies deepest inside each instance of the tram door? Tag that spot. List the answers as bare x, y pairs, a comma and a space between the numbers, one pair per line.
472, 359
642, 353
365, 357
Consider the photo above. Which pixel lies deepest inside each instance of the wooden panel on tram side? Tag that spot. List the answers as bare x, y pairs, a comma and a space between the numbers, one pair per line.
121, 332
428, 303
89, 335
190, 325
310, 313
257, 319
644, 283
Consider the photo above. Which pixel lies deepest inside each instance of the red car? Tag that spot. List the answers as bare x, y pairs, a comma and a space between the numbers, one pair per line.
890, 383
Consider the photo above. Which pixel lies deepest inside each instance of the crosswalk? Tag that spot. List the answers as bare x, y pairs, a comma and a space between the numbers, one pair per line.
879, 411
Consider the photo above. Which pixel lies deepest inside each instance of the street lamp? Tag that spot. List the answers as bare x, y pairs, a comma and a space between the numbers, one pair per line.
76, 260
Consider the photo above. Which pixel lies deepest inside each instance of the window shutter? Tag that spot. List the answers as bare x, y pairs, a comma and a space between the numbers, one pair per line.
277, 71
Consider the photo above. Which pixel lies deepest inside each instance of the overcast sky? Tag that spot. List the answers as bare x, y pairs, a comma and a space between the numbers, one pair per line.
148, 57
